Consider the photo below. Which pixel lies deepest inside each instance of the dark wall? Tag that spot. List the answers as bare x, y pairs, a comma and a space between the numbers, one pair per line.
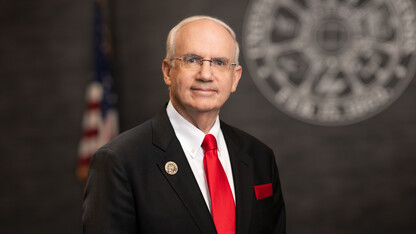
45, 64
358, 178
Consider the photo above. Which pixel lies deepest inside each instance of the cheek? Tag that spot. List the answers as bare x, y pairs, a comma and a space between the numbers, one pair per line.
179, 86
231, 85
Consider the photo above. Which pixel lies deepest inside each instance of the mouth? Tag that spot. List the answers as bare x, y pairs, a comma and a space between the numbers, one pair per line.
206, 90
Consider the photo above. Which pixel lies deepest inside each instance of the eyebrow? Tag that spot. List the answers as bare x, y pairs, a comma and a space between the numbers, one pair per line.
215, 58
192, 55
221, 58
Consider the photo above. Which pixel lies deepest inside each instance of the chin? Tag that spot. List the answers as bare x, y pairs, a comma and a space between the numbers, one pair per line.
205, 107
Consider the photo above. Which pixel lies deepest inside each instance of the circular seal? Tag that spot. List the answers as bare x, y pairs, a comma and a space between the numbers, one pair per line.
171, 168
331, 62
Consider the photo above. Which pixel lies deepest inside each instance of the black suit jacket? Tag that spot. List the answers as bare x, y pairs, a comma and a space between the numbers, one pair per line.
129, 191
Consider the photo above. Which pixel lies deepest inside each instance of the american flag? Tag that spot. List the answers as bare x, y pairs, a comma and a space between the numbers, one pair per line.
100, 120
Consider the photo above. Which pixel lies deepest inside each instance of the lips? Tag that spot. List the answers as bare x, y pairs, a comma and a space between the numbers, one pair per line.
203, 89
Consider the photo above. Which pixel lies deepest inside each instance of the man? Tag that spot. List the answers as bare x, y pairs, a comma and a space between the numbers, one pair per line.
185, 171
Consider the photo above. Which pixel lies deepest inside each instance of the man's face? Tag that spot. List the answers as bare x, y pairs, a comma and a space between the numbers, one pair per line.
204, 89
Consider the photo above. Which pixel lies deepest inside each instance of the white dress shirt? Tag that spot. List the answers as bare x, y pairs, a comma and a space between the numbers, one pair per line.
190, 138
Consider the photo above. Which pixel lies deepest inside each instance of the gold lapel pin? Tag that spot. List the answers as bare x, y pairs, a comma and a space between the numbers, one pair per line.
171, 168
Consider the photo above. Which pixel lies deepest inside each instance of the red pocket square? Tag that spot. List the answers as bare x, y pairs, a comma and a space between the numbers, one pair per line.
263, 191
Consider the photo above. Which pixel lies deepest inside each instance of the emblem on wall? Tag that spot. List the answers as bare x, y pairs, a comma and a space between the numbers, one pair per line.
330, 62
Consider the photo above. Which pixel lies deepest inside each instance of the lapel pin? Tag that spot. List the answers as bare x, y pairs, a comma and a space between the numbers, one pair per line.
171, 168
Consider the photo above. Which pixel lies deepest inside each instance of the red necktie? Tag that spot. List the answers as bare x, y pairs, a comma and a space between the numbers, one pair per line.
222, 201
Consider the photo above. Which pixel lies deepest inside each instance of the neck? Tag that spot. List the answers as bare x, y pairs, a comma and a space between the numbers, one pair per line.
202, 120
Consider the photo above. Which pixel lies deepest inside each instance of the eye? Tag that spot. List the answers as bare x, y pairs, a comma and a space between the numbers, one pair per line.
189, 60
192, 59
219, 62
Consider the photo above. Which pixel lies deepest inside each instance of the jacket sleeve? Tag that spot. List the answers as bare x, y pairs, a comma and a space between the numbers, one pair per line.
280, 225
108, 200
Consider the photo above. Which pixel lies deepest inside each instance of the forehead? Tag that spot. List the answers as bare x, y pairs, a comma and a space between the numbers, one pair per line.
205, 38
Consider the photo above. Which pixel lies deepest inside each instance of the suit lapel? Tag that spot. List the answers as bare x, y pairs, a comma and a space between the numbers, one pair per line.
241, 164
183, 182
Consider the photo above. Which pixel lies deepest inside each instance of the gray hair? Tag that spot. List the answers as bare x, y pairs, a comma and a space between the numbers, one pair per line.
170, 42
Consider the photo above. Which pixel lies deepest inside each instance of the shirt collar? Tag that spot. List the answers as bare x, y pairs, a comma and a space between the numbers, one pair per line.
188, 135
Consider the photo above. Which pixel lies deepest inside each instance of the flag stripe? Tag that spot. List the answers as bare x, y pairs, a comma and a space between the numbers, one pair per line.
93, 106
91, 133
100, 122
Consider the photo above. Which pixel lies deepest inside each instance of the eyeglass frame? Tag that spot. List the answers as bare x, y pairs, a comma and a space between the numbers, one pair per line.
202, 60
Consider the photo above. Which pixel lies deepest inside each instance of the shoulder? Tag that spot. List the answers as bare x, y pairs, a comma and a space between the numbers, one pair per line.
127, 144
244, 140
146, 139
135, 135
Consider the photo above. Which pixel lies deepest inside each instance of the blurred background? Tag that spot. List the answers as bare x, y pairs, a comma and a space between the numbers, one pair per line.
355, 178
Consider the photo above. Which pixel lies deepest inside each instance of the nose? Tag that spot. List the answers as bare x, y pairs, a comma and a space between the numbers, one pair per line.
205, 73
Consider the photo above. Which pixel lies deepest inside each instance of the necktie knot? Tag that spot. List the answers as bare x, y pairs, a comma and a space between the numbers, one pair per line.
209, 143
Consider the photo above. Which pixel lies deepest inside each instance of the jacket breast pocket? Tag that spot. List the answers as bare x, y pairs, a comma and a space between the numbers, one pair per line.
264, 196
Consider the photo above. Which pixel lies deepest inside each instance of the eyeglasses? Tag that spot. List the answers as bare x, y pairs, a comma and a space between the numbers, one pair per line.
194, 63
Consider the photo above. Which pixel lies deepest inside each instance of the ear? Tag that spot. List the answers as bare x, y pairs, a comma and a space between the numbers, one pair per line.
236, 77
166, 72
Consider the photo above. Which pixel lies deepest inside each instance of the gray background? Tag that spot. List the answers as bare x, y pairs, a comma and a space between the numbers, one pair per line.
353, 179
